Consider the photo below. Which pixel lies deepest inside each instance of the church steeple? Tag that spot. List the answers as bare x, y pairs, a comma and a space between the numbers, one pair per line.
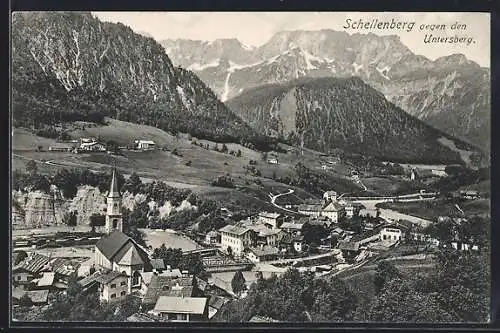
113, 213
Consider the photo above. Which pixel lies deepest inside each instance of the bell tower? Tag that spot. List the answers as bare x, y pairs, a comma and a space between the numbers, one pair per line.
113, 212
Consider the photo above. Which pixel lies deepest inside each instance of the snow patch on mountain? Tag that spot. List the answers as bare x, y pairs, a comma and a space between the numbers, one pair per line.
357, 67
383, 72
183, 97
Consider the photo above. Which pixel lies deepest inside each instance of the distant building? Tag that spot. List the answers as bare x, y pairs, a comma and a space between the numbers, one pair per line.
163, 285
353, 208
262, 253
236, 238
113, 285
390, 233
334, 211
182, 309
92, 146
145, 144
272, 161
274, 220
330, 196
470, 195
310, 209
211, 237
266, 236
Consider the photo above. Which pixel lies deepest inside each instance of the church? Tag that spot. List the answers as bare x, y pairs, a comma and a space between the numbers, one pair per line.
116, 251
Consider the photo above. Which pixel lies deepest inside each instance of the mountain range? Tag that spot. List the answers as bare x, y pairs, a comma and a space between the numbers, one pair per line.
450, 93
69, 66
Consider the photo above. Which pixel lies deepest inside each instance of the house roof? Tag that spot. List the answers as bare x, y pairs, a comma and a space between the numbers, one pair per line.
217, 301
349, 246
47, 279
88, 280
157, 283
264, 231
112, 243
33, 263
62, 266
142, 317
333, 207
212, 233
270, 215
235, 230
330, 193
158, 264
130, 254
149, 142
108, 277
265, 250
310, 207
292, 225
262, 319
191, 305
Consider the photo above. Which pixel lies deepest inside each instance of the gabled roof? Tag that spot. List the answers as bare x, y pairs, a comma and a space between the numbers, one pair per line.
62, 266
46, 280
265, 250
108, 277
130, 254
112, 243
88, 280
191, 305
333, 207
310, 207
157, 283
217, 301
158, 264
235, 230
261, 319
292, 225
270, 215
33, 263
142, 317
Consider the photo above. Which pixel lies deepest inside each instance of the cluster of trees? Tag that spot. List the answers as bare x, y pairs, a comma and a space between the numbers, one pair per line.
175, 259
295, 297
223, 181
223, 149
456, 291
459, 176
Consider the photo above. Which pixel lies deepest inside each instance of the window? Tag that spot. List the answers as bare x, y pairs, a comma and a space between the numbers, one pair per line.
123, 283
19, 277
113, 295
182, 316
123, 293
113, 285
115, 223
165, 288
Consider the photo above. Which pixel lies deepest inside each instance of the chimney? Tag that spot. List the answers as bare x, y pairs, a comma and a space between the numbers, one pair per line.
169, 268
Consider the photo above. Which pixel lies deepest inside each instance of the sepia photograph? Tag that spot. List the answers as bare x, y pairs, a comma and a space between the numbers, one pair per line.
250, 167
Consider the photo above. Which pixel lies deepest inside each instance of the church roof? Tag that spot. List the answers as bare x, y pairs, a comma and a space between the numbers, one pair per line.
129, 255
112, 243
113, 191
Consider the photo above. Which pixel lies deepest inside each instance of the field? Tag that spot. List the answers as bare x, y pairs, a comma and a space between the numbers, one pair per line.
431, 210
192, 166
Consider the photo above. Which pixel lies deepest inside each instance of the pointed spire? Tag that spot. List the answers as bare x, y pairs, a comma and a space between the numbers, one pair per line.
113, 191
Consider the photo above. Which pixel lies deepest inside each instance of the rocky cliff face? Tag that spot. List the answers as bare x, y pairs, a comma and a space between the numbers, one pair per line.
69, 66
450, 93
37, 209
327, 113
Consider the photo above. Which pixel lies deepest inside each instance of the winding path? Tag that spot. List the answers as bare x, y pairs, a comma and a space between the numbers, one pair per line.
274, 197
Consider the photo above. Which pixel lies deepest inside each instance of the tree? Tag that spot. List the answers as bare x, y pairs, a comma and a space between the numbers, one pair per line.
71, 218
97, 220
238, 282
238, 153
224, 148
133, 184
230, 251
31, 167
385, 272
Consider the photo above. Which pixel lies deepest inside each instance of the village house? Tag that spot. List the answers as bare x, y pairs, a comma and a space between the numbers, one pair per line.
264, 235
310, 209
236, 238
162, 285
330, 196
182, 309
262, 253
91, 144
211, 237
273, 220
470, 195
352, 209
145, 144
27, 270
215, 303
334, 211
62, 147
295, 227
292, 243
113, 285
272, 160
391, 233
37, 297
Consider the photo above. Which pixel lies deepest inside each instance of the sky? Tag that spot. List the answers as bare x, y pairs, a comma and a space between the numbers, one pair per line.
256, 28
